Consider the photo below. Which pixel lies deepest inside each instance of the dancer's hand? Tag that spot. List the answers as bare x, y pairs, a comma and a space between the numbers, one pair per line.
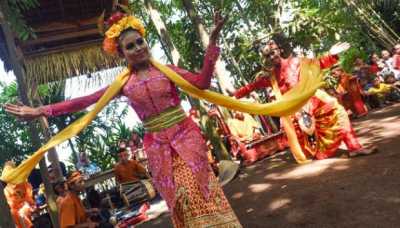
23, 111
339, 48
219, 22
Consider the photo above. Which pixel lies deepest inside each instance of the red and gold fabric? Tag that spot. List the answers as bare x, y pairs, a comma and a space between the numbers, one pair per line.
332, 127
192, 209
351, 98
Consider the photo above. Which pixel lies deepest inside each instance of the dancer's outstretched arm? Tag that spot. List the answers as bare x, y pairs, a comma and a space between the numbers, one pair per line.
260, 83
203, 79
332, 58
61, 108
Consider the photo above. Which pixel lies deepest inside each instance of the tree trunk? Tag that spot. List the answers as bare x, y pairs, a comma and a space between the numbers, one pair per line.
5, 209
52, 155
222, 74
162, 30
22, 90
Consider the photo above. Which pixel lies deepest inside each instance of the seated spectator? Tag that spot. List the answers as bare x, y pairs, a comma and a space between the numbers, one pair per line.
95, 201
375, 64
85, 166
396, 57
389, 64
391, 80
384, 93
127, 170
128, 173
72, 213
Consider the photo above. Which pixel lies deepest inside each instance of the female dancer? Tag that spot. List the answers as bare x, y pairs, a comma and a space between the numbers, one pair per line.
175, 148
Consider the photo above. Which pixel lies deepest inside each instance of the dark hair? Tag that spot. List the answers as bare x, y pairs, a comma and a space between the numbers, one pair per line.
121, 150
55, 185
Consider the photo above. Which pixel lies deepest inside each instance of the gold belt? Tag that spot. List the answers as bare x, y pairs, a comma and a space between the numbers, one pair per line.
165, 119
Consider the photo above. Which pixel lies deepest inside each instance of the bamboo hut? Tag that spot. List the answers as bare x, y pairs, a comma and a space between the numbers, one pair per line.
67, 43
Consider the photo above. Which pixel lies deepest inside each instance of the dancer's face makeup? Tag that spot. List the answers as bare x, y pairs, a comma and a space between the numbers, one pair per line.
134, 48
272, 54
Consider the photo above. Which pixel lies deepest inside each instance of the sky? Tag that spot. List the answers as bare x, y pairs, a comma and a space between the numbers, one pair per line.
78, 86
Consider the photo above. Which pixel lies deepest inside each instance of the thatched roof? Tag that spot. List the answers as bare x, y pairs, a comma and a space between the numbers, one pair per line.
68, 42
61, 65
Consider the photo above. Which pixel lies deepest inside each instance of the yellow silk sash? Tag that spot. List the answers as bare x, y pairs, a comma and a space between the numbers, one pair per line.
290, 102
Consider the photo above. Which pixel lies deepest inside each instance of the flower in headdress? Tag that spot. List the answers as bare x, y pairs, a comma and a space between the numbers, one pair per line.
120, 22
110, 46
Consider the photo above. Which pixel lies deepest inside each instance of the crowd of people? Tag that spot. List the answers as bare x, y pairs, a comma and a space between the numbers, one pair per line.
177, 152
371, 84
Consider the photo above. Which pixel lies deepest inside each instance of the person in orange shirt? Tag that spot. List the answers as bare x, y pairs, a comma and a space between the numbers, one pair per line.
61, 189
72, 213
128, 170
128, 173
20, 199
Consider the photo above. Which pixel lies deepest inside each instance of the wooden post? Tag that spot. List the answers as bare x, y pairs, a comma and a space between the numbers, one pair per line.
22, 90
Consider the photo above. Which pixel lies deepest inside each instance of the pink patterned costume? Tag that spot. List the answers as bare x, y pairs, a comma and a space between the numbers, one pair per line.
179, 148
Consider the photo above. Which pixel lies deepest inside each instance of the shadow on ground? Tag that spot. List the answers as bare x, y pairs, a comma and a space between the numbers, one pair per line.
339, 192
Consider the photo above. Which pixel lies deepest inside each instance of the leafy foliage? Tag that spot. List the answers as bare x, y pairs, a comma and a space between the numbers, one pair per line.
16, 19
15, 141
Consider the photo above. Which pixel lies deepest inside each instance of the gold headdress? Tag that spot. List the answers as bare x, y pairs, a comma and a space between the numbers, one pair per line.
120, 22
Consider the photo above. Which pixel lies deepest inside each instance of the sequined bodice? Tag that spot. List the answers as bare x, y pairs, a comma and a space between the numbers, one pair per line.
150, 96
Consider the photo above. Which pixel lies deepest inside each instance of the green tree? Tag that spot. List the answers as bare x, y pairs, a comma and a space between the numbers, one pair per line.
16, 18
15, 141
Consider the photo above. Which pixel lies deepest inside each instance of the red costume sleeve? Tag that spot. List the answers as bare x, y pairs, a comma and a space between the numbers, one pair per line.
202, 80
259, 83
73, 105
328, 61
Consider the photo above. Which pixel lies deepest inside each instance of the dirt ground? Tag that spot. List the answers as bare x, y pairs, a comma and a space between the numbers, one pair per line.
339, 192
